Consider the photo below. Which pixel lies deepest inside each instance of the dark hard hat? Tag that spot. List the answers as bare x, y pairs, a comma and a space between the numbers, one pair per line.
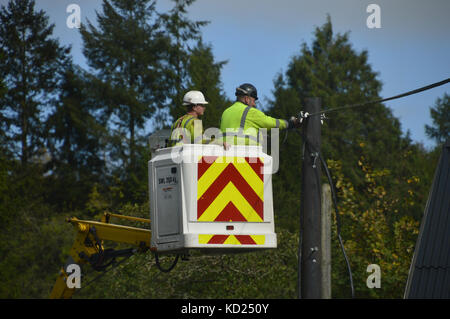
247, 89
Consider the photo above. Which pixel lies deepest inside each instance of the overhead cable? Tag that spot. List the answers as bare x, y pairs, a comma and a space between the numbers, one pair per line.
425, 88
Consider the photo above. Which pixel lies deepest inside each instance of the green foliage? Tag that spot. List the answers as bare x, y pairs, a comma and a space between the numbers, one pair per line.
3, 122
182, 31
331, 70
95, 156
440, 113
32, 238
31, 69
264, 274
370, 237
74, 140
204, 74
128, 52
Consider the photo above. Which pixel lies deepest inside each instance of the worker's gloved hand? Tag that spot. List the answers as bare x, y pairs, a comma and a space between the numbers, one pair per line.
294, 122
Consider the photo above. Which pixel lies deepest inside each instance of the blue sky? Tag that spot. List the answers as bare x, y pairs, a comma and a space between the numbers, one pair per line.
259, 37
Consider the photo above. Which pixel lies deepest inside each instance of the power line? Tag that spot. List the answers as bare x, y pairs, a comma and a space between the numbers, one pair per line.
313, 150
425, 88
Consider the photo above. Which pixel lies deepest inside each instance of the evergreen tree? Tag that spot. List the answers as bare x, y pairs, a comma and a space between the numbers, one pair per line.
331, 70
31, 68
74, 138
440, 113
3, 126
128, 52
182, 33
387, 174
204, 75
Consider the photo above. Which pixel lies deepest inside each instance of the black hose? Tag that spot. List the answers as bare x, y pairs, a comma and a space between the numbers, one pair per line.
168, 269
338, 218
338, 223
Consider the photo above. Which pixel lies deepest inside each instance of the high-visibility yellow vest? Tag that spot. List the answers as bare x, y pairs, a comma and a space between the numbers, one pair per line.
187, 129
240, 124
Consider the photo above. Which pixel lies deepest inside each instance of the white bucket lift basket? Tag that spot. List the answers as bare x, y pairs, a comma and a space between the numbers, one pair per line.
203, 197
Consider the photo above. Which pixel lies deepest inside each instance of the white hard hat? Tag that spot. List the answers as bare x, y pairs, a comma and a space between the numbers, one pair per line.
194, 97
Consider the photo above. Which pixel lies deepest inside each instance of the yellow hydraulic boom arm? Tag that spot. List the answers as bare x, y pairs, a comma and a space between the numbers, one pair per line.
88, 246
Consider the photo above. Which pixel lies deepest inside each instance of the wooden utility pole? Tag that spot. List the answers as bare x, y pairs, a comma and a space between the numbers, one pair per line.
311, 227
326, 241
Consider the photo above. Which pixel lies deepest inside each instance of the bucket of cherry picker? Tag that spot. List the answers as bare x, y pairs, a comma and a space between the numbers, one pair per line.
205, 197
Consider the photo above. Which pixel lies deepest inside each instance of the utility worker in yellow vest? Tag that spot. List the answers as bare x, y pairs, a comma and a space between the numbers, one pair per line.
240, 123
195, 103
188, 129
